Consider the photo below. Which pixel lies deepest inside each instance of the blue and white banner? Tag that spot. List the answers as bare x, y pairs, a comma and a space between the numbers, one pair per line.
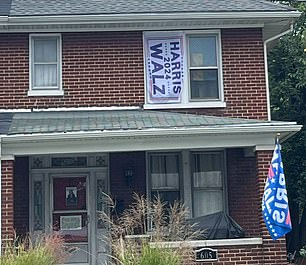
164, 62
275, 206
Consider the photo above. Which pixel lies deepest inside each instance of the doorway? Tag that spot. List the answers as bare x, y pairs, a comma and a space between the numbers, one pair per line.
67, 195
70, 215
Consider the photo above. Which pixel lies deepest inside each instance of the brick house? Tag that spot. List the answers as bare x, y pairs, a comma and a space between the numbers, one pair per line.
154, 97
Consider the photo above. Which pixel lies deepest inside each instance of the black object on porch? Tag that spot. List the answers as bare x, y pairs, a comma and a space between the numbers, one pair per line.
218, 226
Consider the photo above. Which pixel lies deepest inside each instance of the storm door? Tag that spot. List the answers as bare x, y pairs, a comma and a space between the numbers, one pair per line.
70, 215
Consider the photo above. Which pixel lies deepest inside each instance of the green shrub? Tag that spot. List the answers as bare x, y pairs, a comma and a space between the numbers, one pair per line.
46, 251
158, 256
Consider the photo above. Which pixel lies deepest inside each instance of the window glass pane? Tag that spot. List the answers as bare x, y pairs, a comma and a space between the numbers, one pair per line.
166, 196
38, 205
165, 177
164, 171
171, 163
45, 50
158, 164
204, 84
207, 179
202, 51
207, 202
165, 181
204, 162
45, 75
164, 163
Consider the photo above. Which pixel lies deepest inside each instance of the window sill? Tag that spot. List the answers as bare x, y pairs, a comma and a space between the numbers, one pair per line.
190, 105
38, 93
209, 243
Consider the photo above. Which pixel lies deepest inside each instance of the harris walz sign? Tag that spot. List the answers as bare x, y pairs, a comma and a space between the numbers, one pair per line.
164, 67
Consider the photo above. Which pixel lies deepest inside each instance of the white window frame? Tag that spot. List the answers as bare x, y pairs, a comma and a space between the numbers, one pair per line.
165, 189
45, 91
223, 189
186, 101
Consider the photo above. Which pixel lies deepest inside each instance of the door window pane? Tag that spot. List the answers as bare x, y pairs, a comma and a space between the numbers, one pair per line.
38, 205
69, 193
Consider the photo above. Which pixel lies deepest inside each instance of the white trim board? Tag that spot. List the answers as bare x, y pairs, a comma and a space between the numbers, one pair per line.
71, 109
210, 243
36, 145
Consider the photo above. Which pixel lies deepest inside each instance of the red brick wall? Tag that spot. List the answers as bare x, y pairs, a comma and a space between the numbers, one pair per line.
242, 194
236, 255
244, 73
274, 252
106, 69
21, 195
120, 190
7, 201
99, 69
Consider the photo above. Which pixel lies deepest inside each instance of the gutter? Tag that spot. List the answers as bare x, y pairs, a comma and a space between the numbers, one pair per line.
136, 17
276, 128
3, 19
266, 65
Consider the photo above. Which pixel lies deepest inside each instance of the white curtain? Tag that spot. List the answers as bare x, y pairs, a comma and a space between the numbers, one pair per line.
45, 63
207, 202
207, 183
45, 75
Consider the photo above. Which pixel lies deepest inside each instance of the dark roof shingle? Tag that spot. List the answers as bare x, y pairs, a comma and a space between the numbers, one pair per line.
5, 122
5, 6
90, 7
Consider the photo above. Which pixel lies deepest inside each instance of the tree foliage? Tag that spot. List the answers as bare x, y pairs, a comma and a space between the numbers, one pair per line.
287, 77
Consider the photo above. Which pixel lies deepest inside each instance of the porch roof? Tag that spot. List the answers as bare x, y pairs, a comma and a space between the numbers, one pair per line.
5, 122
46, 122
38, 132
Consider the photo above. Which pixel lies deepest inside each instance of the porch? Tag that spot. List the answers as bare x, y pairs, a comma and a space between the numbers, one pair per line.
211, 164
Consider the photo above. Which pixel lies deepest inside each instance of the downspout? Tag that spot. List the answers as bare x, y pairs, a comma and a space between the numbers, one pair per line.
266, 66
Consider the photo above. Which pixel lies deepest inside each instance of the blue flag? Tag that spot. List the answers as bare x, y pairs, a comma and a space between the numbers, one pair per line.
275, 206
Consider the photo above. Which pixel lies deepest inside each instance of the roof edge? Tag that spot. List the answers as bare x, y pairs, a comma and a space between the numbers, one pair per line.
285, 127
153, 16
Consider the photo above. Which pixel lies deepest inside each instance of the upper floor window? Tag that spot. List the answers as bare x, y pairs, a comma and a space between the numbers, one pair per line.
203, 67
45, 65
183, 69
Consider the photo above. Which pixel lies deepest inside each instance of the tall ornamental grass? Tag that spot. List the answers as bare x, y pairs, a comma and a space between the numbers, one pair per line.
134, 234
49, 250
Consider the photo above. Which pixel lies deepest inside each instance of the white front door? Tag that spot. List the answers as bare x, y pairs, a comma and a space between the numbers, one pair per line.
70, 215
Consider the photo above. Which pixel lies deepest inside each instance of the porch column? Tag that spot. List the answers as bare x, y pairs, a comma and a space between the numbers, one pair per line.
274, 252
7, 200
